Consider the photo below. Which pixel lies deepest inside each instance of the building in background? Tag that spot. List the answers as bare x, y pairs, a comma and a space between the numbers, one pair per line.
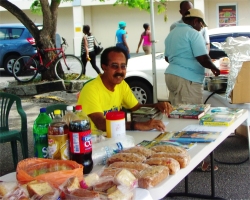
103, 19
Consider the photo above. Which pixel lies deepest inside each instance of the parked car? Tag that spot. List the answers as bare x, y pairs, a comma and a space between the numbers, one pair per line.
139, 72
220, 35
15, 40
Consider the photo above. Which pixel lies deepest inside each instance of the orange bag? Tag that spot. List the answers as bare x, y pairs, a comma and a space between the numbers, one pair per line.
53, 171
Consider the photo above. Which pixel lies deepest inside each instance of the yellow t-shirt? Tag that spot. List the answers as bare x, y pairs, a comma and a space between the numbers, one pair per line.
95, 97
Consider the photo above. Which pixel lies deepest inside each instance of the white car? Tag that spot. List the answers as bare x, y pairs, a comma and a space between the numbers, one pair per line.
140, 78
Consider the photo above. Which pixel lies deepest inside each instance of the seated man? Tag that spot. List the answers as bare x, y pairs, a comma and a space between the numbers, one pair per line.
109, 92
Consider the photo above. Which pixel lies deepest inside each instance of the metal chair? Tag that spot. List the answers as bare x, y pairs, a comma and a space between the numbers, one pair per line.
7, 134
50, 109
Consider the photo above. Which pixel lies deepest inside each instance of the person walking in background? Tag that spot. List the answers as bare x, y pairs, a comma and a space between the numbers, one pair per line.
121, 36
87, 50
184, 7
146, 38
187, 56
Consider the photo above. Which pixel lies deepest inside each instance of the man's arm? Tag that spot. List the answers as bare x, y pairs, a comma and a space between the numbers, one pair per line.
206, 62
100, 123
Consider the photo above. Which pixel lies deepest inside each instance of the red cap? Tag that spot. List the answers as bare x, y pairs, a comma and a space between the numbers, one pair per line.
115, 115
78, 107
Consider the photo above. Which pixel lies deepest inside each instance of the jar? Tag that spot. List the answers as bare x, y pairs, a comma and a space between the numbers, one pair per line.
115, 124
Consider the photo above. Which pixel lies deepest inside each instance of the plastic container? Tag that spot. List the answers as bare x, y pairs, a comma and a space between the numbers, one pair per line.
115, 124
40, 134
105, 149
57, 116
69, 115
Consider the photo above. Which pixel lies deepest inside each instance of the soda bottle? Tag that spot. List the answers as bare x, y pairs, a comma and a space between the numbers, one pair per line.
57, 116
69, 115
80, 140
40, 134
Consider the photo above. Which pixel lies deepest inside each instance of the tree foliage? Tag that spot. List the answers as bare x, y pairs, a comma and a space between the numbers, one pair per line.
144, 5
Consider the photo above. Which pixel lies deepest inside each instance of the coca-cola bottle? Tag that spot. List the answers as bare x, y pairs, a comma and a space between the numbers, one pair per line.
80, 140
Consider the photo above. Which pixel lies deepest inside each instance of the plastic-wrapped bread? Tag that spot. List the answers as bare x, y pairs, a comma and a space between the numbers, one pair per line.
182, 158
171, 163
126, 157
152, 176
168, 149
130, 165
139, 150
125, 178
110, 171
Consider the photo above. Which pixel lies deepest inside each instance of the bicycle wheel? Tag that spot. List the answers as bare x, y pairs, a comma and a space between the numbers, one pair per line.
25, 69
68, 67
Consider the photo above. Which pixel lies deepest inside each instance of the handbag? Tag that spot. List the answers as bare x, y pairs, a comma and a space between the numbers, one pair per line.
98, 48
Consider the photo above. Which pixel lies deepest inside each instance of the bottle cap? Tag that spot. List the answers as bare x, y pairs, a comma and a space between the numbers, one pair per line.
57, 112
42, 110
115, 115
69, 108
78, 107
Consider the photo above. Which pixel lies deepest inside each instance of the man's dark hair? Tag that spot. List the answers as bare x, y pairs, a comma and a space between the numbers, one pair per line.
105, 53
182, 3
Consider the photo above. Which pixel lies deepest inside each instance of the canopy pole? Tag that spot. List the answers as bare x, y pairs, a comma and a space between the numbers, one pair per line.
153, 51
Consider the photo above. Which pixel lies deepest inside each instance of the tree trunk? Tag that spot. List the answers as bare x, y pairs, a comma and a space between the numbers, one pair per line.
45, 38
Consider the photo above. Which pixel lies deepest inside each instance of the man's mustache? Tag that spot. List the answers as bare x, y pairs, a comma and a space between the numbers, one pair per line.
119, 74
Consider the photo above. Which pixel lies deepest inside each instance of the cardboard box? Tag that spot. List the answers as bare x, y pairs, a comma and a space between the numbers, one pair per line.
240, 92
242, 131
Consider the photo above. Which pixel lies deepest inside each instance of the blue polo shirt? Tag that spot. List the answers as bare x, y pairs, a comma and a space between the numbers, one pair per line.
182, 45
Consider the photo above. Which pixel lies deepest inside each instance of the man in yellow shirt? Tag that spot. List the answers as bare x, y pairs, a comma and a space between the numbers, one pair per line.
109, 92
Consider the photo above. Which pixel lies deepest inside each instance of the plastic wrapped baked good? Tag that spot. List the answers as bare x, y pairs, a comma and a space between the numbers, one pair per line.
125, 178
6, 187
126, 157
168, 149
152, 176
171, 163
111, 171
129, 165
182, 158
83, 194
139, 150
103, 184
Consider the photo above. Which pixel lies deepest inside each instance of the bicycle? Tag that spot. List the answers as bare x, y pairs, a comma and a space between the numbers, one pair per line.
26, 68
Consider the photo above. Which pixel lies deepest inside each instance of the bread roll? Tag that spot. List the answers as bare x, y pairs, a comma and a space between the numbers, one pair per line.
152, 176
139, 150
168, 149
126, 157
171, 163
182, 158
129, 165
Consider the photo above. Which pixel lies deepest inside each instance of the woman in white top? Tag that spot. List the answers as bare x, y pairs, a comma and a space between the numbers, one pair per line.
87, 50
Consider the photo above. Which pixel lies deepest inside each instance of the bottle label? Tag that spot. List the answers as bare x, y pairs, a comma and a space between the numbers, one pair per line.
80, 142
41, 145
58, 147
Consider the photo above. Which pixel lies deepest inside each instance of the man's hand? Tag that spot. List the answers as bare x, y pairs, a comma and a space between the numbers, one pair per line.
164, 107
149, 125
216, 72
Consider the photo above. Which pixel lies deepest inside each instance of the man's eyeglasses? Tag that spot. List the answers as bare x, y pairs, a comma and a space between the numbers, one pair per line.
116, 66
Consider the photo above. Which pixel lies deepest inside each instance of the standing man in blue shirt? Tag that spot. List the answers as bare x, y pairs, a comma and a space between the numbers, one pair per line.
186, 53
184, 7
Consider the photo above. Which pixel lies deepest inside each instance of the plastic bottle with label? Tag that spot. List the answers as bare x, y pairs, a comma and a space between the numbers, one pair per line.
105, 149
69, 115
115, 124
58, 138
80, 140
40, 134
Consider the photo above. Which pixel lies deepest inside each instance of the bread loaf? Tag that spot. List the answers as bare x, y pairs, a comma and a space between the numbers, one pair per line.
118, 195
82, 194
39, 189
182, 158
110, 171
72, 184
126, 157
139, 150
171, 163
168, 149
152, 176
130, 165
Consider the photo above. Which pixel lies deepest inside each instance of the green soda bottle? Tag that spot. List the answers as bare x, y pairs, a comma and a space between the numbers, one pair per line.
40, 134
